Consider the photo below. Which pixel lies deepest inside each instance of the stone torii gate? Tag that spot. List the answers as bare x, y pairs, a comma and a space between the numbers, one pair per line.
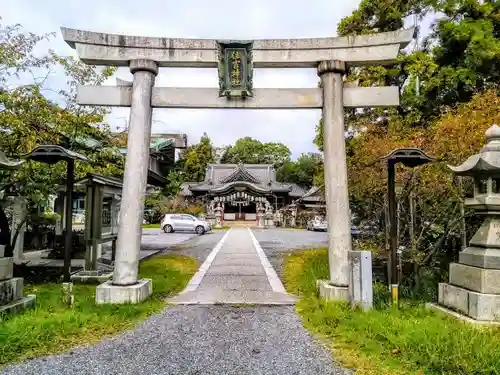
235, 61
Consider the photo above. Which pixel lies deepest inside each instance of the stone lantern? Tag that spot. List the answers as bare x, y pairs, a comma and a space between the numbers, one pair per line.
12, 299
218, 214
474, 282
260, 213
293, 209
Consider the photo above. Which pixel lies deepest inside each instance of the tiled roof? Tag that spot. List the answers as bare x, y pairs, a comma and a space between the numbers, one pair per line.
261, 176
240, 173
313, 195
217, 173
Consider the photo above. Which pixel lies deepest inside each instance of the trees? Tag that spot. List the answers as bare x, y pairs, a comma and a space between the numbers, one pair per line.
302, 171
31, 115
251, 151
449, 97
194, 160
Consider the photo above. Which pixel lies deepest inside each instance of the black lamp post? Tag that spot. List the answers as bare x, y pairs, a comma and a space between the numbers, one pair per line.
410, 158
52, 154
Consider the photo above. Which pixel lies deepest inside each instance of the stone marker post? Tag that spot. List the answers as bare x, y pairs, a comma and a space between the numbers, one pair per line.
360, 286
337, 199
134, 190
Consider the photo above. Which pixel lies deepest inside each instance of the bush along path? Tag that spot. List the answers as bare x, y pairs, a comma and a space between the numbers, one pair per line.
229, 339
410, 341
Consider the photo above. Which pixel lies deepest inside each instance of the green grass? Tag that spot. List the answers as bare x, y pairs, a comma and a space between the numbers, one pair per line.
151, 226
52, 327
224, 227
411, 340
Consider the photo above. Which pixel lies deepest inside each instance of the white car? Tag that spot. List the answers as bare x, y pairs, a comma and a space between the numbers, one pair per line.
184, 222
317, 225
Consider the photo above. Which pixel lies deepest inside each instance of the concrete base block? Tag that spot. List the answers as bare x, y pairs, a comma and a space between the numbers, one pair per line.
19, 305
109, 293
482, 280
459, 316
480, 257
331, 292
11, 290
478, 306
6, 268
92, 277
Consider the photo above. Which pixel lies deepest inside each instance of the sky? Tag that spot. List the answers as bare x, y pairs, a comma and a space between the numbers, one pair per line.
215, 19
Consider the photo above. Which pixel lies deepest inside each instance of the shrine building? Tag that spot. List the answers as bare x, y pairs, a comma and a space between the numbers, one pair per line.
240, 187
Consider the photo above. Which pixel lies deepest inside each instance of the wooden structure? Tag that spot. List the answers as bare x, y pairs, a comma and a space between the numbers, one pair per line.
162, 149
313, 200
102, 197
240, 188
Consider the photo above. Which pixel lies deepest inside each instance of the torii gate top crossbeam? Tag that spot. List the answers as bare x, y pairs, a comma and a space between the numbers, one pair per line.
113, 49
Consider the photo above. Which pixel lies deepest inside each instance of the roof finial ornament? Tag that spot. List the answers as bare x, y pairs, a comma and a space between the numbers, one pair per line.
492, 138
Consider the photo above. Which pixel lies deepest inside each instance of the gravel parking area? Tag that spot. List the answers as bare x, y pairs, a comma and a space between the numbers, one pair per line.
156, 239
196, 246
278, 241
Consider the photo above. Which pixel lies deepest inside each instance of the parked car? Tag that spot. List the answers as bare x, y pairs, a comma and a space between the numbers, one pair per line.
322, 225
317, 225
184, 222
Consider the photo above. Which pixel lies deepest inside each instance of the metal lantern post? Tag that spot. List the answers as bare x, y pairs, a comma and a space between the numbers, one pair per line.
52, 154
410, 158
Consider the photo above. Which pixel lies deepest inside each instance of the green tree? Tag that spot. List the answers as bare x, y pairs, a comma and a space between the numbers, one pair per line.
251, 151
175, 180
302, 170
194, 160
449, 96
29, 118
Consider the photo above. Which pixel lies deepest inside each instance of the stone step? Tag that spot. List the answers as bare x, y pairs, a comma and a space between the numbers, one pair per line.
241, 224
231, 297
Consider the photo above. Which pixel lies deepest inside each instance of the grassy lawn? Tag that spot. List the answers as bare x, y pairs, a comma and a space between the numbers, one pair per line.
151, 226
224, 227
411, 340
53, 327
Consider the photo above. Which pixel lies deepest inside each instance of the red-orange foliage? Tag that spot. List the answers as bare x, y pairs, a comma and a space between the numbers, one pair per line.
452, 139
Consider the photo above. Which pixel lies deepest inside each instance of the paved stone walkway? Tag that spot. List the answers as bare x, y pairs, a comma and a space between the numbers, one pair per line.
236, 272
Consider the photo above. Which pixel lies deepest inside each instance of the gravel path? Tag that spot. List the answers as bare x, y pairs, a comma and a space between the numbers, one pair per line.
199, 340
205, 340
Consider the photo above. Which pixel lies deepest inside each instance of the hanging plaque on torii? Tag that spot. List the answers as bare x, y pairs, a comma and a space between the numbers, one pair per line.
235, 69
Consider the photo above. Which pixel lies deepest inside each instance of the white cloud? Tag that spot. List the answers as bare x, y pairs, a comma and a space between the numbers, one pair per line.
218, 19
